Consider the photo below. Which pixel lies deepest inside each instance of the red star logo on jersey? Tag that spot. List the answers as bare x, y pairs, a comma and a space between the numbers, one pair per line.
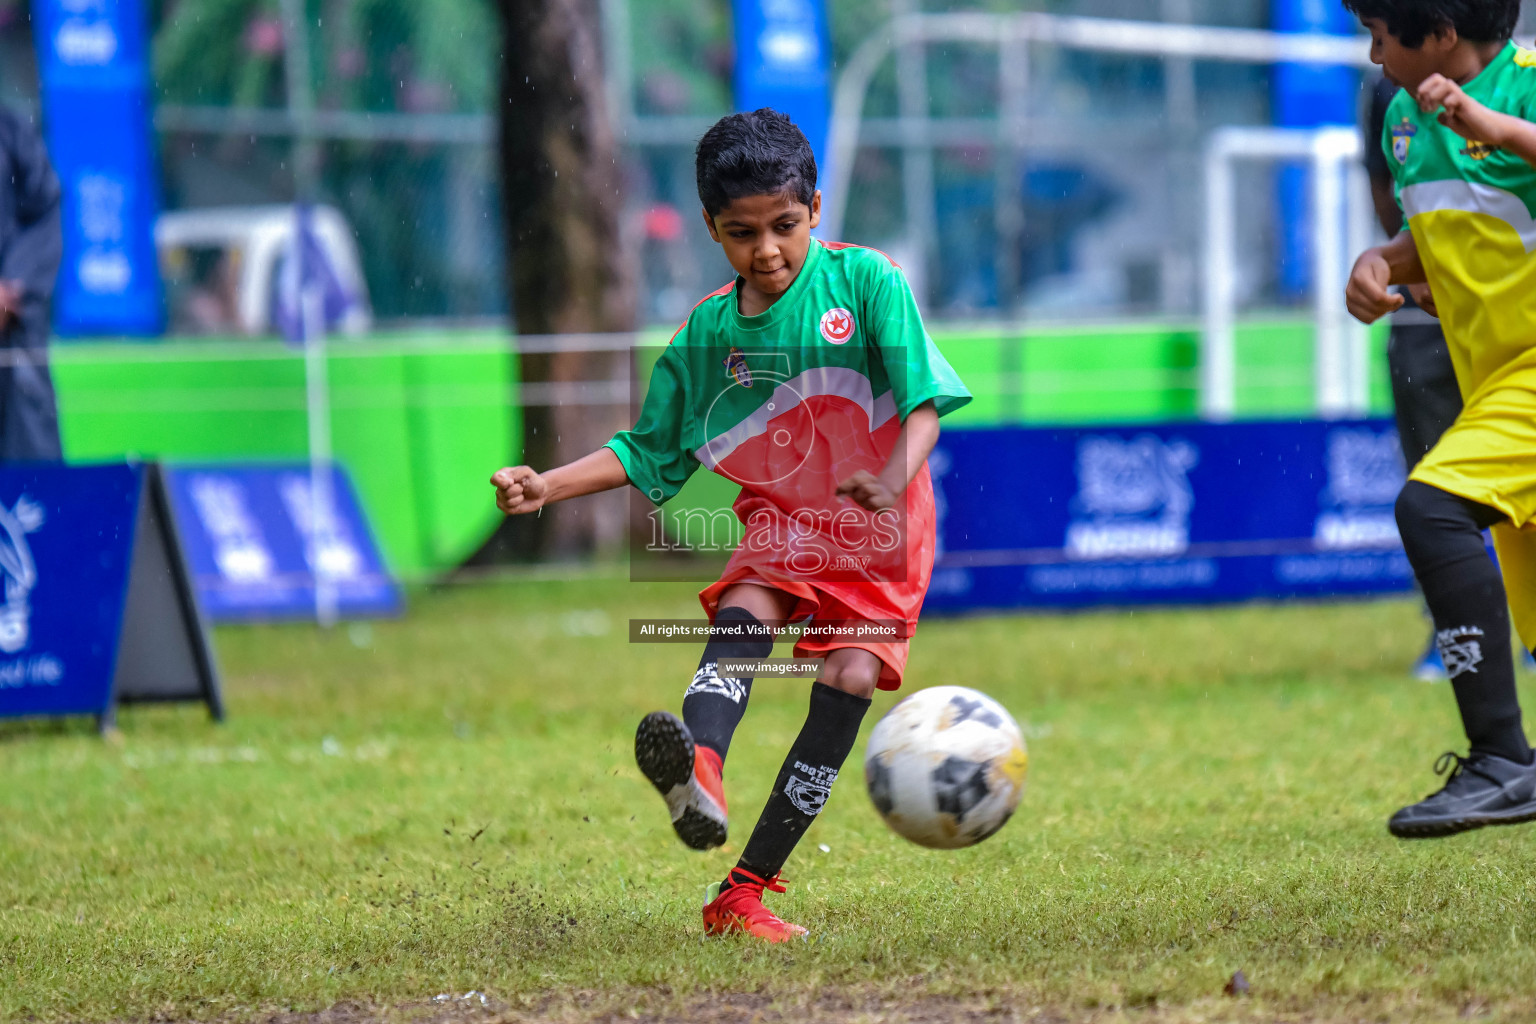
837, 325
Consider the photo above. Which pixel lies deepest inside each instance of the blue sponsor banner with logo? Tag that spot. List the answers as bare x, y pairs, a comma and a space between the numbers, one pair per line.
1199, 512
93, 63
64, 561
252, 550
784, 61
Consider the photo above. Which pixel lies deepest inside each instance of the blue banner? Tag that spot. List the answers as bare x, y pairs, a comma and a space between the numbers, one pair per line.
1308, 96
252, 549
784, 61
1166, 514
93, 62
64, 562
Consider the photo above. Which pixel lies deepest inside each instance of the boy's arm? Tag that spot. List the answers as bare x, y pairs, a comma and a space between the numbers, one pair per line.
520, 490
1475, 122
919, 433
1368, 293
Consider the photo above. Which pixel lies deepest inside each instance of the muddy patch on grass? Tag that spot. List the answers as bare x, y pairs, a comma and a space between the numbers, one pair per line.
857, 1007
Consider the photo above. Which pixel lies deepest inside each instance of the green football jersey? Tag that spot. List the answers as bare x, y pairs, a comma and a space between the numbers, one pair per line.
1470, 207
789, 402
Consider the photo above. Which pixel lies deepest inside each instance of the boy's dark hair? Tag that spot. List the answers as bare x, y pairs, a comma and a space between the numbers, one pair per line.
756, 154
1412, 21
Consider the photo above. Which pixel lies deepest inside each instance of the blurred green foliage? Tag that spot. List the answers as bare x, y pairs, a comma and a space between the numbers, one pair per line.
682, 55
422, 56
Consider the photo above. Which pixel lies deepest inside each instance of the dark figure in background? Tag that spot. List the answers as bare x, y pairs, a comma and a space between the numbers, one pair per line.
31, 245
1424, 391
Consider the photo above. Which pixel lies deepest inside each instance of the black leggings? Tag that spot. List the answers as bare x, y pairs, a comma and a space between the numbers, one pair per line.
1443, 535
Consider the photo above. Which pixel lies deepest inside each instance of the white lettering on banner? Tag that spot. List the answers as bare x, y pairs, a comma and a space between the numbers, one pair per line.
1343, 568
239, 548
1064, 579
789, 47
334, 555
1353, 531
1365, 474
80, 41
1133, 498
1090, 541
42, 670
103, 267
951, 582
19, 571
102, 200
105, 272
1365, 467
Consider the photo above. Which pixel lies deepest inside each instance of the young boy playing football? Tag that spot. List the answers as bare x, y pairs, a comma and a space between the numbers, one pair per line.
809, 381
1462, 150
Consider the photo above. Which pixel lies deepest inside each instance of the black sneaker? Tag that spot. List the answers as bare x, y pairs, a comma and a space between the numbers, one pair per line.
1483, 789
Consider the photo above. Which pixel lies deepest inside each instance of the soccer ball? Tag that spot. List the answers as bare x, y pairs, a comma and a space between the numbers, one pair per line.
945, 767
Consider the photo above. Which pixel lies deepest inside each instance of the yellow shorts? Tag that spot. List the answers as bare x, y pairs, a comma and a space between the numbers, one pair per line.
1489, 456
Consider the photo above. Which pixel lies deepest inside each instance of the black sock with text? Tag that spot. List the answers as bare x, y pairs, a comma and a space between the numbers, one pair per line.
805, 781
713, 704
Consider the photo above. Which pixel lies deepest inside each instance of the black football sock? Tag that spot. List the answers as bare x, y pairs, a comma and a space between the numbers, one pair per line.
713, 704
805, 781
1442, 534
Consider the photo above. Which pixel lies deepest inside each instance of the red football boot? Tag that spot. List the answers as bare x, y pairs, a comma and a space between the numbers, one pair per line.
740, 908
687, 777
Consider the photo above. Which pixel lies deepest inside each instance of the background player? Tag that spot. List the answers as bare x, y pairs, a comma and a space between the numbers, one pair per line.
1463, 157
808, 380
1425, 397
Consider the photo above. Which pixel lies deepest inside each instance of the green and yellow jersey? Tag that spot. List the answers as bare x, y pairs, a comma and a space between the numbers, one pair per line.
1472, 210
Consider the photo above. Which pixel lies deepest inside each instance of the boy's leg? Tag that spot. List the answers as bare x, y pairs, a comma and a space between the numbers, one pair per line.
1442, 534
713, 704
683, 758
1426, 400
838, 703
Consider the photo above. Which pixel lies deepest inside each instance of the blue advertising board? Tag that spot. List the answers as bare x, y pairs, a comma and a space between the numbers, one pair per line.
1199, 512
784, 61
64, 563
96, 608
94, 67
252, 549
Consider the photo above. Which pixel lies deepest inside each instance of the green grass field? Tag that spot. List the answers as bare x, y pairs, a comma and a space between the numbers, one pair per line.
448, 803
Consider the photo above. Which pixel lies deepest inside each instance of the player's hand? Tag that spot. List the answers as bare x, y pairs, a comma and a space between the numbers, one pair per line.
1461, 114
1425, 298
519, 490
868, 490
1369, 293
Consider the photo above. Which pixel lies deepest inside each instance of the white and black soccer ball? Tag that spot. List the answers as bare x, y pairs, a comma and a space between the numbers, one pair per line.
945, 767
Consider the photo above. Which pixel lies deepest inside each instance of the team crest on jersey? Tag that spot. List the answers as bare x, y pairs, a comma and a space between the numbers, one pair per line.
736, 367
837, 325
1402, 138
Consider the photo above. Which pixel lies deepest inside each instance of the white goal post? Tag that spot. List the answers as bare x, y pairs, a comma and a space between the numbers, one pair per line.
1341, 215
1340, 201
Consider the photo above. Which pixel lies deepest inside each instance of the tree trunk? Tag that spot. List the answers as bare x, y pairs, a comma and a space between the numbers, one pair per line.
569, 270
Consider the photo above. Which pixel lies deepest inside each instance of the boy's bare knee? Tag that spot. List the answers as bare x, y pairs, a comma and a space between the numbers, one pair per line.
852, 677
